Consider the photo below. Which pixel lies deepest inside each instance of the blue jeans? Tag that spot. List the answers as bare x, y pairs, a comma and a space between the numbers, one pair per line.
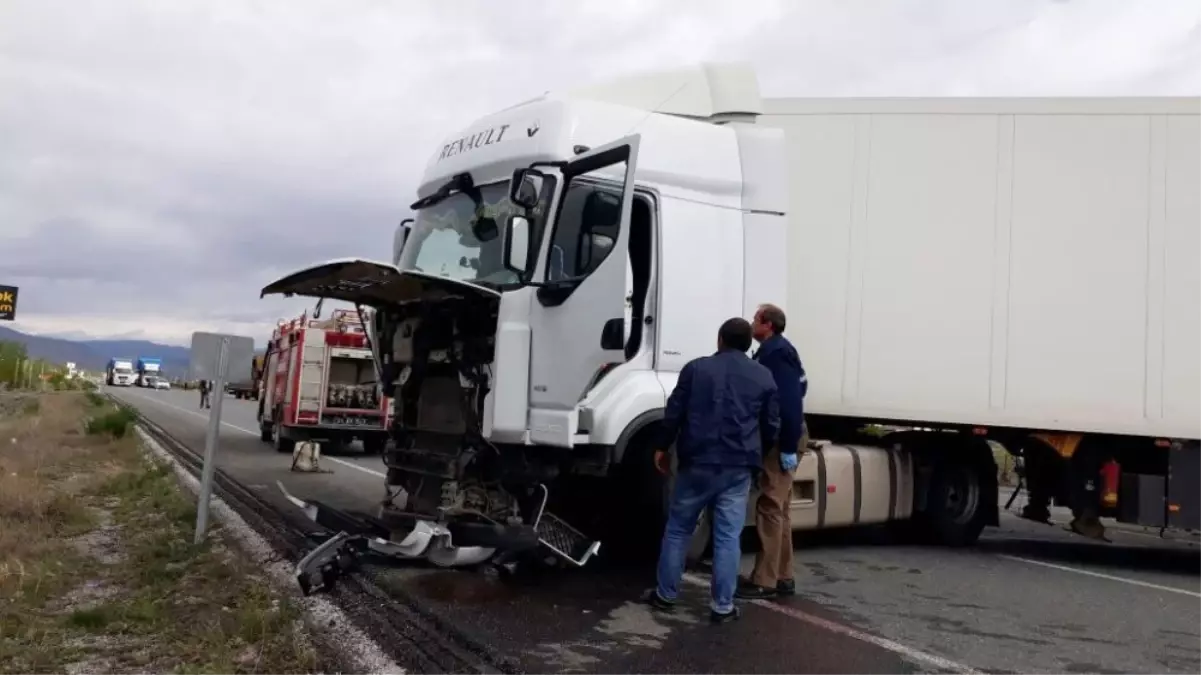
697, 487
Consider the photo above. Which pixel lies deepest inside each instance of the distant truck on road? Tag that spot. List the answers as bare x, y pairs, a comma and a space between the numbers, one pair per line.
120, 373
248, 388
148, 369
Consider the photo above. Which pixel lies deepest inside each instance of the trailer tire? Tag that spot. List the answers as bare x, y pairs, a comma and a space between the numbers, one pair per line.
373, 446
265, 433
956, 509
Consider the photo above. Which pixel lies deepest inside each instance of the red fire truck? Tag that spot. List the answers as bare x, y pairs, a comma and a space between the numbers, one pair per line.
319, 383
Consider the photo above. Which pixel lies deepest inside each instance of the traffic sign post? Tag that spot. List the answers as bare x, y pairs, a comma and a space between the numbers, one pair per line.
211, 357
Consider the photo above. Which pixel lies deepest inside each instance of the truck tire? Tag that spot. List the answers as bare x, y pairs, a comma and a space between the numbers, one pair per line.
282, 444
645, 515
265, 432
373, 446
956, 505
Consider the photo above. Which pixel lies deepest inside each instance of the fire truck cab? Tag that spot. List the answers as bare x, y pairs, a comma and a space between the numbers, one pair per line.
319, 383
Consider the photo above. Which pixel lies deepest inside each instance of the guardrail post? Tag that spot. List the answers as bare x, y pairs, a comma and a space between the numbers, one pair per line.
210, 443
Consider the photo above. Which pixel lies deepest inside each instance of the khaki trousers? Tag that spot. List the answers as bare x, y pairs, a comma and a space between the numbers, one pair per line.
773, 522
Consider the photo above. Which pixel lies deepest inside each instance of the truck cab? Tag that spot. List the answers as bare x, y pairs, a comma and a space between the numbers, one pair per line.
539, 311
120, 373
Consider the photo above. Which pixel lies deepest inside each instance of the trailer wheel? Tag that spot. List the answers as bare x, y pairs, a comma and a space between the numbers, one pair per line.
955, 512
373, 446
265, 433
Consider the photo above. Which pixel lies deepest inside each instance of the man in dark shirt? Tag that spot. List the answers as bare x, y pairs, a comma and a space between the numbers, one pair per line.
720, 415
773, 564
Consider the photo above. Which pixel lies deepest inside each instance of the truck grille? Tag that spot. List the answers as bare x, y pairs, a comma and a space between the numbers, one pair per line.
562, 538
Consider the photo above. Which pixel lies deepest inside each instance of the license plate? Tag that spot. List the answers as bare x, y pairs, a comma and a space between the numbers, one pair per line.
349, 421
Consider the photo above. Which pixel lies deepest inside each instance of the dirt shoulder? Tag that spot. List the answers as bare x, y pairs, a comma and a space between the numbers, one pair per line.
97, 568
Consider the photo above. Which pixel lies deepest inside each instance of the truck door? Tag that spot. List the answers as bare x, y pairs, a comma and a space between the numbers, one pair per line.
577, 322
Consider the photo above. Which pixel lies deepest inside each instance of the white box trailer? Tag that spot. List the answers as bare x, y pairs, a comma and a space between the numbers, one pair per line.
1017, 271
999, 262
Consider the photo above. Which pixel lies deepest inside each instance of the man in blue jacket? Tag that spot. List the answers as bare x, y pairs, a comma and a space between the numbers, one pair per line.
721, 415
773, 564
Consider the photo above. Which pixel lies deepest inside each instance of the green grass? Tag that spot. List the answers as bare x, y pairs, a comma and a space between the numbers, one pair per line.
115, 423
164, 605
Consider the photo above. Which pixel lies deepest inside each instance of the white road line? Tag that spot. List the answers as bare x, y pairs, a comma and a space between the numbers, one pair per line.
352, 465
916, 655
1100, 575
235, 427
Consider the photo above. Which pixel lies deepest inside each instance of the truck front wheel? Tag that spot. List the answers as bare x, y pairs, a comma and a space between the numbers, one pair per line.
647, 500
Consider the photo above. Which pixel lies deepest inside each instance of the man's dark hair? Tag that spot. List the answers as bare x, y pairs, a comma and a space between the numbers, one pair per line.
735, 334
774, 316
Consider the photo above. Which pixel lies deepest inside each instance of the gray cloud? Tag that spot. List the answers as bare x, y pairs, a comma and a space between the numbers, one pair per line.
162, 161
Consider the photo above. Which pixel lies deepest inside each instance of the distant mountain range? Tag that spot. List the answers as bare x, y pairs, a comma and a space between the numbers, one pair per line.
94, 355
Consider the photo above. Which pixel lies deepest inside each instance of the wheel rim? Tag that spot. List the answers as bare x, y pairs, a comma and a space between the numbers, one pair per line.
962, 495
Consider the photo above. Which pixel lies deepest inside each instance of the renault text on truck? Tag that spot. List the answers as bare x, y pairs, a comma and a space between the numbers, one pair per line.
120, 372
149, 370
1021, 271
320, 384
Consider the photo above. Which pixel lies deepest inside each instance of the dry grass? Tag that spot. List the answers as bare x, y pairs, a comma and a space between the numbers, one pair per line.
97, 569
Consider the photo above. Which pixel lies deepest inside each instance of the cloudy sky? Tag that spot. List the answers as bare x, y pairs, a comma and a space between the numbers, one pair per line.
161, 161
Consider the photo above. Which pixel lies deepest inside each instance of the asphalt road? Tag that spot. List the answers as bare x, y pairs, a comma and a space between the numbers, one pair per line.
1029, 598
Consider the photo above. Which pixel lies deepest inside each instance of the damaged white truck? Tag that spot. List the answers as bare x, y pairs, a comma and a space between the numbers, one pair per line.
972, 270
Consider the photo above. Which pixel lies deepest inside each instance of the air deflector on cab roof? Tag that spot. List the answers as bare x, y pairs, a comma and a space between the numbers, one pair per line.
373, 284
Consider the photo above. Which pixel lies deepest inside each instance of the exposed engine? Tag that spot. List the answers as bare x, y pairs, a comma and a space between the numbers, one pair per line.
434, 360
452, 498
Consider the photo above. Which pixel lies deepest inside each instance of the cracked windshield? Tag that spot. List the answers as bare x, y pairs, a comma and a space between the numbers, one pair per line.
442, 242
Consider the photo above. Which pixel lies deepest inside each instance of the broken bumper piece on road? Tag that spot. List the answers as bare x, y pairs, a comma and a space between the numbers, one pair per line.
408, 537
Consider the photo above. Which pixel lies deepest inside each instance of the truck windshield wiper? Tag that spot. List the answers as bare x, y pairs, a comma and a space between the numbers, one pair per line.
460, 182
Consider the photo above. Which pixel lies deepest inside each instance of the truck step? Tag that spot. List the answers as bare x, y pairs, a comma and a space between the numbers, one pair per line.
564, 540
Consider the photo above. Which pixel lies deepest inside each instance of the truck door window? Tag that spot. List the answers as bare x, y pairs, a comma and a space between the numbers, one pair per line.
584, 235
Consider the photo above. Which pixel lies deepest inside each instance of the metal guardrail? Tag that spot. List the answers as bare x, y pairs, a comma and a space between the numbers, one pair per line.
411, 634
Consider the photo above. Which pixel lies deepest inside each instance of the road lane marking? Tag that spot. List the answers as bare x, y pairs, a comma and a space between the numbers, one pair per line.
244, 430
346, 462
917, 655
1101, 575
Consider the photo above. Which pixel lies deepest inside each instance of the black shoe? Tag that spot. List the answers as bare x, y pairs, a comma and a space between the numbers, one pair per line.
652, 598
749, 591
732, 615
786, 587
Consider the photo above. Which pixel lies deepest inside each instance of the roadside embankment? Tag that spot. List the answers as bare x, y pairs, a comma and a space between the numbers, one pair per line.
98, 572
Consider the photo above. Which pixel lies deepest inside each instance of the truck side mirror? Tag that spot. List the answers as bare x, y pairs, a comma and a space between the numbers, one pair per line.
525, 187
517, 245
